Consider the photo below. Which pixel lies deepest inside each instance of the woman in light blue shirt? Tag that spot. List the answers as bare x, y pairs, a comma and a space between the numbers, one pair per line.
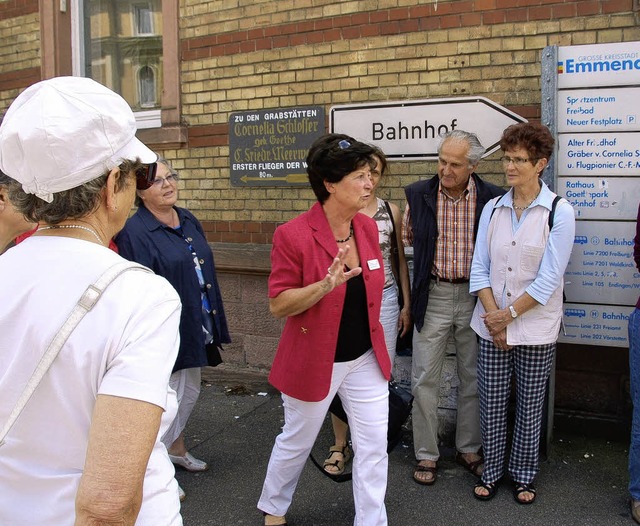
522, 250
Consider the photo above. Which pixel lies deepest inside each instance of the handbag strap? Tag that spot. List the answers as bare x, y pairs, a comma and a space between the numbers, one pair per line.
86, 302
395, 259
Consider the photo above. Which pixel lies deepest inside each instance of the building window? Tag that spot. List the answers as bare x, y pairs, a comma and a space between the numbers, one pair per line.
119, 44
147, 87
143, 14
81, 40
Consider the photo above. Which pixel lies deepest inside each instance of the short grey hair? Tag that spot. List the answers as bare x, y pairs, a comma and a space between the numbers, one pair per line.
476, 150
70, 204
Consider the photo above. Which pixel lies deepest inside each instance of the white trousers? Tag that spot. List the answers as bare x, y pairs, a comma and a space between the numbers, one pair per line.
364, 394
186, 384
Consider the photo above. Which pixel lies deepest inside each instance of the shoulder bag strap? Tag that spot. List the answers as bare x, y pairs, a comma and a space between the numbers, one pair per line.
86, 302
395, 261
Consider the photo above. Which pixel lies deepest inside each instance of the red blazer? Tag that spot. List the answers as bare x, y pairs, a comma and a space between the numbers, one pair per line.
302, 251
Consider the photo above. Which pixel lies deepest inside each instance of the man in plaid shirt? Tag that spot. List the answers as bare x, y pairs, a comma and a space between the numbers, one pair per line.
440, 221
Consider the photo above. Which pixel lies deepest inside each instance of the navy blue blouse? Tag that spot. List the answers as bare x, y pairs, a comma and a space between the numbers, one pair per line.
146, 240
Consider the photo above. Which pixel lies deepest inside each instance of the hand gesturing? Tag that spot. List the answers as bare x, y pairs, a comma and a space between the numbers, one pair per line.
336, 274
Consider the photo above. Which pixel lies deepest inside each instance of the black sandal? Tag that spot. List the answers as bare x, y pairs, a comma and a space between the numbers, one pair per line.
491, 487
519, 489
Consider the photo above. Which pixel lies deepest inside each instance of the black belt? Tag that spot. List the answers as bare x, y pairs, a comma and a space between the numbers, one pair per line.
454, 281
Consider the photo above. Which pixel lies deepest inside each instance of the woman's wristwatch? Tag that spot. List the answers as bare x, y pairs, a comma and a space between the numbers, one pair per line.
513, 312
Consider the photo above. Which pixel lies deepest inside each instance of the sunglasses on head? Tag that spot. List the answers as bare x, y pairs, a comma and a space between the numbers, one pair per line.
145, 176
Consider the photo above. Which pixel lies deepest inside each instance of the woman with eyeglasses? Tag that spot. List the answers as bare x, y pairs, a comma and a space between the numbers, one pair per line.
522, 250
85, 448
327, 276
171, 242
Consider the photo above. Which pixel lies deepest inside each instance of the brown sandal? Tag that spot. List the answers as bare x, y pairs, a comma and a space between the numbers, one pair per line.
428, 469
337, 463
473, 467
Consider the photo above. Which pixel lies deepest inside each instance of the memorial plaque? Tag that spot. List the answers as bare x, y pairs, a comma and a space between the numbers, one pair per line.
269, 147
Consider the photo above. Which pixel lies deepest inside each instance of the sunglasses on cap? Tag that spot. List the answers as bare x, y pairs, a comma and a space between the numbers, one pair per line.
145, 175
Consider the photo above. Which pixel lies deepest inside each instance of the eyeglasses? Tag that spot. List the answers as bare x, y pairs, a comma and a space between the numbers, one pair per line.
158, 182
517, 161
145, 176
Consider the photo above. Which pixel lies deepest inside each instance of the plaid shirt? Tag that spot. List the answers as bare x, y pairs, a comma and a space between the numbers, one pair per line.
454, 248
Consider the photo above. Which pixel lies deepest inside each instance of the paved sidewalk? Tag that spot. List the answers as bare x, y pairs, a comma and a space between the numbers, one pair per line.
582, 483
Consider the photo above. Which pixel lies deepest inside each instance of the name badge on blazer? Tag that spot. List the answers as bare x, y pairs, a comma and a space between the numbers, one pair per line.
373, 264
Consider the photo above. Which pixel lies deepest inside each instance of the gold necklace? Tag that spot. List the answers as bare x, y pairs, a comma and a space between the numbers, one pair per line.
91, 230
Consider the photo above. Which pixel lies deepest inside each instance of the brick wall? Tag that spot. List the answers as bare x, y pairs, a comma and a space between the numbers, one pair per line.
19, 48
270, 54
282, 54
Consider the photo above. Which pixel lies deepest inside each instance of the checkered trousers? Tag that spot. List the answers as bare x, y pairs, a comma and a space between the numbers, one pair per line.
531, 365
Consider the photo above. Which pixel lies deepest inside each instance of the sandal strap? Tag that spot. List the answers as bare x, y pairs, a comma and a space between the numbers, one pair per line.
473, 465
525, 488
337, 463
486, 485
428, 469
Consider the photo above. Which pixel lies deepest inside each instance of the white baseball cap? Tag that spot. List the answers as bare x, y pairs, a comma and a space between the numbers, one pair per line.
63, 132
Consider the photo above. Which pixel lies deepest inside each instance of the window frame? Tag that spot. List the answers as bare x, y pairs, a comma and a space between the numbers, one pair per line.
167, 131
137, 9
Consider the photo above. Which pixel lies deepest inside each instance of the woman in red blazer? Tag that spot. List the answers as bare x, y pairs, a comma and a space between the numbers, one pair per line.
327, 277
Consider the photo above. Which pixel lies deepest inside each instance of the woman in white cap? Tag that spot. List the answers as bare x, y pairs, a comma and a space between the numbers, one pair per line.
171, 241
85, 449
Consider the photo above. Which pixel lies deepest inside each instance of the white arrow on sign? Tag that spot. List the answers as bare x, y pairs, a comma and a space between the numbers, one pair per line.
410, 130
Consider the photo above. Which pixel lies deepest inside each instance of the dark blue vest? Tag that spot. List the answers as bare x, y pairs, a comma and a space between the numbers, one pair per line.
422, 197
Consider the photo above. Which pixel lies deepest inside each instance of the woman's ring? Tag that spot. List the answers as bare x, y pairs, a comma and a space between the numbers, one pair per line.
329, 271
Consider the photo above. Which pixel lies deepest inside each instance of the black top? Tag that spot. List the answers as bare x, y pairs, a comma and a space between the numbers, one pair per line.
353, 336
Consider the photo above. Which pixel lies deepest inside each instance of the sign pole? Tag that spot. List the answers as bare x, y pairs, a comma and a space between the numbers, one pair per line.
548, 113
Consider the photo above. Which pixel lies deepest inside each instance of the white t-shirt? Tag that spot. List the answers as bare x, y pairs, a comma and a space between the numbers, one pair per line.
125, 346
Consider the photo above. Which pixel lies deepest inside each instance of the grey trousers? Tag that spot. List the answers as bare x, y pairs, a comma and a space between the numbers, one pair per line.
448, 314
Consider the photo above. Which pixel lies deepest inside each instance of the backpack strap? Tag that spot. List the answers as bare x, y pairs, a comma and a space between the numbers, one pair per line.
552, 214
86, 302
495, 205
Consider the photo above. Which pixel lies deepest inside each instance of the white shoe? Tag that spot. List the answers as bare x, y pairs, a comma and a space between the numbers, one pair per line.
181, 493
189, 462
